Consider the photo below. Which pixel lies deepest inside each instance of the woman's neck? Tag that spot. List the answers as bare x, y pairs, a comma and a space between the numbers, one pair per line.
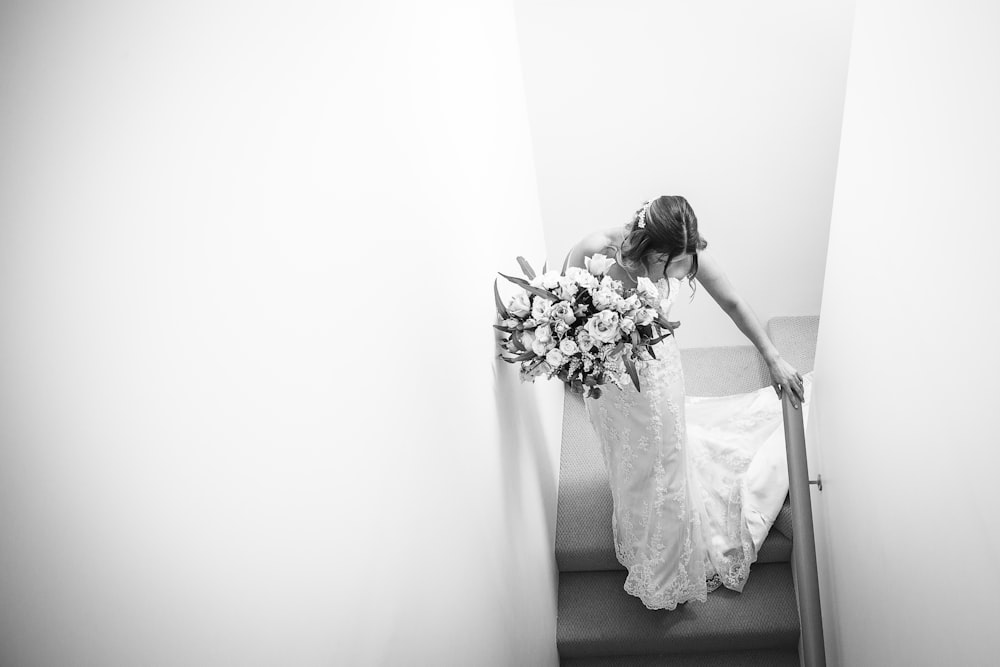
631, 274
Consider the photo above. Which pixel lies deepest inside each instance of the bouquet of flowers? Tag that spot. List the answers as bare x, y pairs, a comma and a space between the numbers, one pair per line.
580, 325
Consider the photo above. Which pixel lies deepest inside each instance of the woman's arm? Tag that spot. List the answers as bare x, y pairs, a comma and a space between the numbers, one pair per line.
715, 282
587, 246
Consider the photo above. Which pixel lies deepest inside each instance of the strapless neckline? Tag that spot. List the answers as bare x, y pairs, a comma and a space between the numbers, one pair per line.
664, 282
668, 292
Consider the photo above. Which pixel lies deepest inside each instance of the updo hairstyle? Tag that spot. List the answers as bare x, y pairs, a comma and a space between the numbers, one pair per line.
671, 229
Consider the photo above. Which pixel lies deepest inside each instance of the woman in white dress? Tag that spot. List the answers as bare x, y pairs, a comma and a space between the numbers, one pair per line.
678, 517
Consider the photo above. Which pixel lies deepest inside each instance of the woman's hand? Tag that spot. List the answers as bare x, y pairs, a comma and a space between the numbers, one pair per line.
786, 378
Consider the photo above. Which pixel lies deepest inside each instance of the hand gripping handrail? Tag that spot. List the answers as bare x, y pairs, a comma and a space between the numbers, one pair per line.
803, 537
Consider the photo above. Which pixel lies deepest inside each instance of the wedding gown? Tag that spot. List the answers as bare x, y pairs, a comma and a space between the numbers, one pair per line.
696, 483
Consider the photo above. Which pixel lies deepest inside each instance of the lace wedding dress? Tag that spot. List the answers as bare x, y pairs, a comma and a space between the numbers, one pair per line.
696, 483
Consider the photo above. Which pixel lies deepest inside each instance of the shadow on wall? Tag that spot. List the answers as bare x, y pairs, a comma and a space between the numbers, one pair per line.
529, 421
523, 436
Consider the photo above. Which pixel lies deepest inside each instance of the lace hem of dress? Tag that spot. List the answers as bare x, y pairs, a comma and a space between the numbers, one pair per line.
691, 593
736, 573
674, 596
735, 570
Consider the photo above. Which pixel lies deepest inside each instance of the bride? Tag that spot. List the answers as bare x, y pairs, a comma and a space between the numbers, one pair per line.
678, 509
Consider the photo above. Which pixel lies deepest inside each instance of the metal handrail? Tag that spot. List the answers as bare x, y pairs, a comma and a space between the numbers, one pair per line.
803, 537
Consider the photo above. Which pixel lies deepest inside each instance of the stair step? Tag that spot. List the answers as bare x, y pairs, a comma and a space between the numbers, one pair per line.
592, 557
598, 618
758, 658
584, 541
583, 524
783, 522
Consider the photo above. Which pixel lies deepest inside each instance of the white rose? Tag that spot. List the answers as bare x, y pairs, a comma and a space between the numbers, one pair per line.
511, 323
646, 290
540, 308
567, 288
563, 311
568, 346
604, 298
604, 326
520, 305
560, 327
627, 325
629, 304
598, 264
581, 277
527, 339
540, 348
645, 316
554, 358
543, 333
550, 279
584, 339
608, 282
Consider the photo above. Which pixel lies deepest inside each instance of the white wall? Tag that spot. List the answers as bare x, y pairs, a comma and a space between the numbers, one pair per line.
250, 412
906, 393
734, 105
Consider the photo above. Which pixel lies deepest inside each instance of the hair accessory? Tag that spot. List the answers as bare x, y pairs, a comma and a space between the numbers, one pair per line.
643, 212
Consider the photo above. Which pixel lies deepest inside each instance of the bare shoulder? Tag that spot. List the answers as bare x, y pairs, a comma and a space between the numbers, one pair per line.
715, 281
594, 243
597, 242
708, 266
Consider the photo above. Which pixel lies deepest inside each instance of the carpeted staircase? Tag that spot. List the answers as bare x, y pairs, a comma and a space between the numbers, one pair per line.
599, 624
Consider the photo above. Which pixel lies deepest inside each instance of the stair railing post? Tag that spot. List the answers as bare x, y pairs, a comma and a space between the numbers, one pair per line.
803, 537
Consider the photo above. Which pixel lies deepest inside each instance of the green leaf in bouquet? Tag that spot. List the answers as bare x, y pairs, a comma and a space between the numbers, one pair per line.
654, 341
500, 327
500, 307
665, 324
542, 293
545, 267
528, 271
617, 348
516, 341
531, 288
527, 356
565, 264
630, 367
635, 339
520, 282
649, 348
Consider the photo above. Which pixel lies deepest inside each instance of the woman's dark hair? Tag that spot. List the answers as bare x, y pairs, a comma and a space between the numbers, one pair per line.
671, 229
